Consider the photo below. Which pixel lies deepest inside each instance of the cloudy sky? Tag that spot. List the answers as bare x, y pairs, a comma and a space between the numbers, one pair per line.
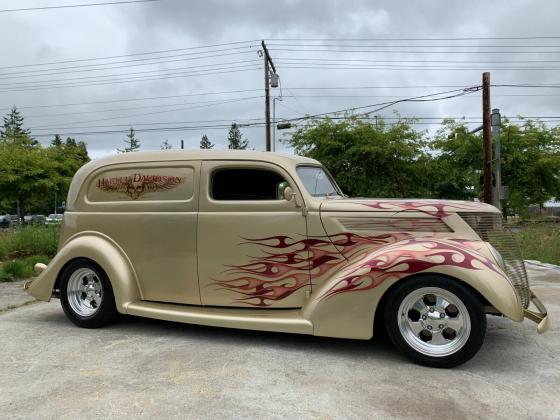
179, 69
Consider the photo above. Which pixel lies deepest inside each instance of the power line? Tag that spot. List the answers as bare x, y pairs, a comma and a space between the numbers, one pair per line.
227, 101
137, 107
109, 66
214, 66
382, 105
215, 127
412, 52
411, 46
57, 86
503, 38
147, 98
336, 60
141, 53
27, 9
397, 67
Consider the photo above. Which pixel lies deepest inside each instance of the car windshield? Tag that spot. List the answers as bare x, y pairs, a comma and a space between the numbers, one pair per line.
318, 182
55, 216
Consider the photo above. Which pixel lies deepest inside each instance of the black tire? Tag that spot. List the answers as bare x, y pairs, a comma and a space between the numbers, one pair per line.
471, 301
103, 314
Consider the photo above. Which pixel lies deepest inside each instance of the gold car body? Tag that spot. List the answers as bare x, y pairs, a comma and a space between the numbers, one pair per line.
299, 264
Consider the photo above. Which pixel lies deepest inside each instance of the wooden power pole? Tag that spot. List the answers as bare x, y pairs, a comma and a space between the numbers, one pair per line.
487, 138
267, 64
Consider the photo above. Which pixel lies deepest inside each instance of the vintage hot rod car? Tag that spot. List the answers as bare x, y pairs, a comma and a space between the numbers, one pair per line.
269, 242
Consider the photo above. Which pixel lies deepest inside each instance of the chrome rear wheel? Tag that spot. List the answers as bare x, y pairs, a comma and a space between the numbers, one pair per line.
86, 294
84, 291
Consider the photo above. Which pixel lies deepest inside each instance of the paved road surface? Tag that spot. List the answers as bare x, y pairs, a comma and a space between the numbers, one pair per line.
150, 369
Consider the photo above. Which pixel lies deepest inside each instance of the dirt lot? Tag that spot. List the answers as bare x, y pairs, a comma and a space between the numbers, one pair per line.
142, 369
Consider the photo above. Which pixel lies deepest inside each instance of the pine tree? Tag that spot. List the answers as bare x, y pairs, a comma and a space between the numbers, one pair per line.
57, 141
205, 143
133, 144
165, 145
235, 138
13, 131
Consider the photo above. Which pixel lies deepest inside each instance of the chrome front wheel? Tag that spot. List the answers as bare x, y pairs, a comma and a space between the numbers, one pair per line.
435, 320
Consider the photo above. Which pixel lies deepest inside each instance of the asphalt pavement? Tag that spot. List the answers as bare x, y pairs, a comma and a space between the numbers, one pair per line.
141, 368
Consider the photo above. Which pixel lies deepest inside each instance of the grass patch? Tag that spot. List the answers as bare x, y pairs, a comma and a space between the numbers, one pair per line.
539, 242
29, 240
21, 269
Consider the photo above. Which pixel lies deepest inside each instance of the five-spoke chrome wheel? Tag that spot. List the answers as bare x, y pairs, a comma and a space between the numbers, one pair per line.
434, 321
85, 292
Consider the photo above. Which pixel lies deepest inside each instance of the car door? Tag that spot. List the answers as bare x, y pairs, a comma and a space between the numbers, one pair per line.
252, 248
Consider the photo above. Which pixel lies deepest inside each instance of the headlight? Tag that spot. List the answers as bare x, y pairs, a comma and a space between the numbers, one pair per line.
497, 256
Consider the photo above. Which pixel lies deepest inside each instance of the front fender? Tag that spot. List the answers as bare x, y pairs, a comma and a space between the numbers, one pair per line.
103, 251
344, 305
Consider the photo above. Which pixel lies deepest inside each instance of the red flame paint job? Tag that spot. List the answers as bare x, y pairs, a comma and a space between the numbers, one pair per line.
435, 208
406, 258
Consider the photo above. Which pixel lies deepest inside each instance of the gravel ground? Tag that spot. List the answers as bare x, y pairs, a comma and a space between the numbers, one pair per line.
143, 368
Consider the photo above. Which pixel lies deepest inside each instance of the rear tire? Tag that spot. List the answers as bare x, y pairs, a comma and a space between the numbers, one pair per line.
86, 295
435, 321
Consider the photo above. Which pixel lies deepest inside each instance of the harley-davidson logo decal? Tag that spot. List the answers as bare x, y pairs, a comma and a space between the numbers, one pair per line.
138, 184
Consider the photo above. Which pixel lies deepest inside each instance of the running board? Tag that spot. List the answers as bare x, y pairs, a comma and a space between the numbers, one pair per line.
280, 320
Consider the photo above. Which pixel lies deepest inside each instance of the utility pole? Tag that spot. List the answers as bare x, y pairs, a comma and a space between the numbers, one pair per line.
487, 138
267, 65
496, 123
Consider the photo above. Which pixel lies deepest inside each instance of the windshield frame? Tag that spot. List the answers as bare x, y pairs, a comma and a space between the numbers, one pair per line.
329, 176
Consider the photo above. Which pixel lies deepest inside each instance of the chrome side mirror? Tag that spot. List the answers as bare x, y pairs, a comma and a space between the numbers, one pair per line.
289, 194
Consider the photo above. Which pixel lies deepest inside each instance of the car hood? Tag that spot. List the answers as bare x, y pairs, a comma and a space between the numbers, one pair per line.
436, 208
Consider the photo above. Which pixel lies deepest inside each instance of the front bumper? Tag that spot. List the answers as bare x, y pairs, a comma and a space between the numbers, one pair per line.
540, 316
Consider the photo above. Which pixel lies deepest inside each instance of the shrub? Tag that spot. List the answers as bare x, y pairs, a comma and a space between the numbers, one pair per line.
540, 242
20, 269
29, 240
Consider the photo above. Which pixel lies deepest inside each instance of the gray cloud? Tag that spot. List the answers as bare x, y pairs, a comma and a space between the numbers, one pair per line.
105, 31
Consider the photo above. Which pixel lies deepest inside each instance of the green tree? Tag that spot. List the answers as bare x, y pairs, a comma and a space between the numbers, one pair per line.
457, 162
13, 131
235, 138
165, 145
25, 175
205, 143
379, 160
57, 141
530, 163
132, 143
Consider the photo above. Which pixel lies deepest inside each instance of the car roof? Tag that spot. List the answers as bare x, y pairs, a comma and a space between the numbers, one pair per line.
200, 154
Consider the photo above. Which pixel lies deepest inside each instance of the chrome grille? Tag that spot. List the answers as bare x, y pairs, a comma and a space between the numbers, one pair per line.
490, 227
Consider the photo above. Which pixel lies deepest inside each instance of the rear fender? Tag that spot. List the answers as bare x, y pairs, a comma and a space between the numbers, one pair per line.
344, 305
103, 251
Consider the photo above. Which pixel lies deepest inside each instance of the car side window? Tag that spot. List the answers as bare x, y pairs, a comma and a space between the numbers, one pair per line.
247, 184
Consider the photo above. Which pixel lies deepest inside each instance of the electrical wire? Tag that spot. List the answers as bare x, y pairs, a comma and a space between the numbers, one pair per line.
27, 9
503, 38
142, 53
411, 52
203, 67
55, 86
